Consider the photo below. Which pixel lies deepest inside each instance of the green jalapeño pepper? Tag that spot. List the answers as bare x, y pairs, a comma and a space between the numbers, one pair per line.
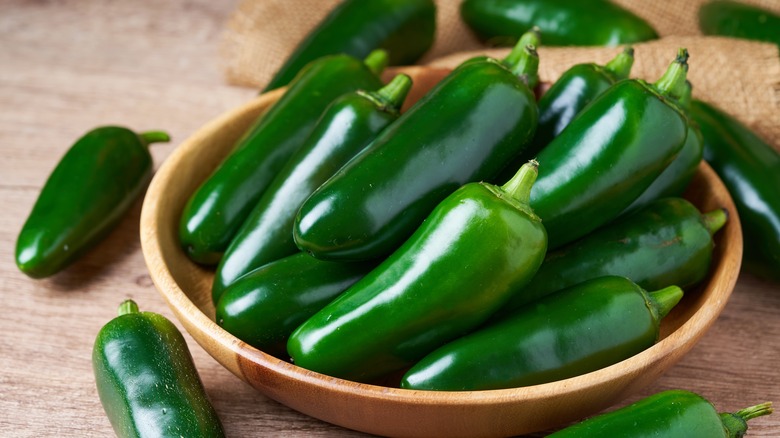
739, 20
346, 127
465, 129
404, 28
478, 245
574, 90
85, 197
675, 178
668, 242
265, 306
575, 331
668, 414
563, 22
220, 205
609, 154
750, 169
147, 381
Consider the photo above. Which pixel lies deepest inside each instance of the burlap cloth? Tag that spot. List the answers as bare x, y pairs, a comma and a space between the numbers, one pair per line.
740, 76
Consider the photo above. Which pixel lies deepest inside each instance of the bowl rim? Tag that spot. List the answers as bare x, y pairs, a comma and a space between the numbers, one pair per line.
677, 342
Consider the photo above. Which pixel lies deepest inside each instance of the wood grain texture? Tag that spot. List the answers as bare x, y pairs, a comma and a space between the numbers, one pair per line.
67, 66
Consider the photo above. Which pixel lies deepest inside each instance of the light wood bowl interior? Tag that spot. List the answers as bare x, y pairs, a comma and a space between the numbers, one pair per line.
392, 411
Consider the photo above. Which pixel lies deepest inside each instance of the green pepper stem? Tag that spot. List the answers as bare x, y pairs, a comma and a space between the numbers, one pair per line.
736, 423
394, 93
127, 306
523, 60
665, 299
519, 186
377, 61
620, 65
672, 83
715, 220
155, 137
752, 412
685, 99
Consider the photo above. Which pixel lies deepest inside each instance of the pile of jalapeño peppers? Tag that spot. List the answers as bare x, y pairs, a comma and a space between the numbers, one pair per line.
480, 240
441, 242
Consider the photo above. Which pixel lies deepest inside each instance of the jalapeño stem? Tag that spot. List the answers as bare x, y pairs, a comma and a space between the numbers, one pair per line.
665, 299
620, 65
672, 83
519, 186
127, 306
523, 60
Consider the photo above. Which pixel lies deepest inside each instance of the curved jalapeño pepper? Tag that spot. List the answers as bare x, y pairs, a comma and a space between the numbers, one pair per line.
668, 242
265, 306
750, 169
678, 174
563, 22
465, 129
572, 332
220, 205
86, 195
609, 154
146, 380
404, 28
670, 414
445, 280
574, 90
739, 20
345, 128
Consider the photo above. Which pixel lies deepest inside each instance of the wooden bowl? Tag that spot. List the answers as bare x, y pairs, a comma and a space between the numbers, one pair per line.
392, 411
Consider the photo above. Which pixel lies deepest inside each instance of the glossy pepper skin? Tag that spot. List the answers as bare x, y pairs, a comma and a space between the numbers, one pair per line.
668, 414
750, 169
575, 331
147, 381
610, 154
465, 129
404, 28
739, 20
673, 181
345, 128
266, 305
563, 22
445, 280
668, 242
220, 205
86, 195
675, 178
572, 92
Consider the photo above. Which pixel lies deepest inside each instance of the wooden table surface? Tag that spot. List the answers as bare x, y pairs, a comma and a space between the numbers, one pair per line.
68, 66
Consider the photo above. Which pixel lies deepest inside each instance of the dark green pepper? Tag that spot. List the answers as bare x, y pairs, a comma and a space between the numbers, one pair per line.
739, 20
265, 306
85, 197
563, 22
750, 169
575, 331
147, 381
345, 128
668, 242
609, 154
465, 129
443, 282
220, 205
574, 90
404, 28
675, 178
668, 414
